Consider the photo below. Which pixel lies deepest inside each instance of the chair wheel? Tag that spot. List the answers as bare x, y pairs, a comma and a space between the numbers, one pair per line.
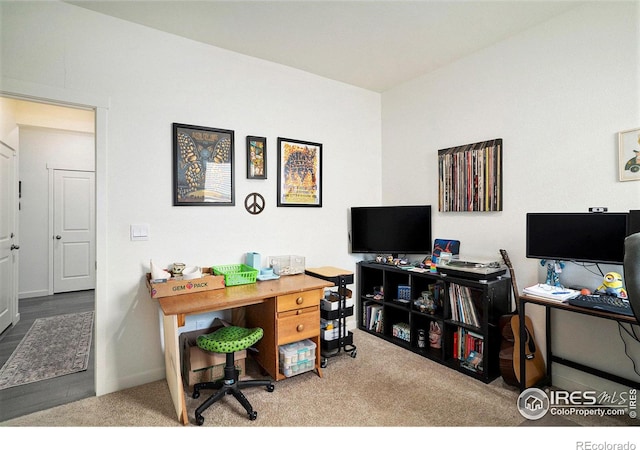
253, 415
199, 420
195, 394
270, 388
323, 363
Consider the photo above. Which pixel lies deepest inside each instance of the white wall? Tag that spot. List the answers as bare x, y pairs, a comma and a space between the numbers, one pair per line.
8, 123
152, 79
557, 95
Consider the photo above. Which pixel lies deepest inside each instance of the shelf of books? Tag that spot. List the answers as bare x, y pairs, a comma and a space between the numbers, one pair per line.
450, 320
468, 349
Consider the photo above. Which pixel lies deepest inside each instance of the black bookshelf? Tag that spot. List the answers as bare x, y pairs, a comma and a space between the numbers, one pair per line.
467, 311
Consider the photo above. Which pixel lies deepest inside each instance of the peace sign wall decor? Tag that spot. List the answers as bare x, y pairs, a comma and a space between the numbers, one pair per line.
254, 203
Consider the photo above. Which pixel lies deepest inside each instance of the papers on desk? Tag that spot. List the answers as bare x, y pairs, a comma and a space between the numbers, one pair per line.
556, 293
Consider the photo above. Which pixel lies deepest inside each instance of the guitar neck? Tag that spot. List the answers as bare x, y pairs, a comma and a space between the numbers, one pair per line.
514, 285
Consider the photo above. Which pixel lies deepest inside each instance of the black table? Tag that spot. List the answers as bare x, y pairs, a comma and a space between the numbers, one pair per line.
551, 358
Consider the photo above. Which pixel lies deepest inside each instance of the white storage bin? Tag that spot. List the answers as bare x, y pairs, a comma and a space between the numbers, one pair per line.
297, 357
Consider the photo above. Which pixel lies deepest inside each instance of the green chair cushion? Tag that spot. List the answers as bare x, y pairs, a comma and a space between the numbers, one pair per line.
229, 339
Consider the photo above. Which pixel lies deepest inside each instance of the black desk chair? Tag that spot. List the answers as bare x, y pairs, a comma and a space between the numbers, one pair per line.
632, 271
229, 340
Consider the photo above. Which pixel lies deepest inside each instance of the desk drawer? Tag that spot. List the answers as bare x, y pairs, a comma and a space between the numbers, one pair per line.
299, 300
299, 324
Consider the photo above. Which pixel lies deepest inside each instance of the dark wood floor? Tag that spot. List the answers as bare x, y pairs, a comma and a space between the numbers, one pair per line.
20, 400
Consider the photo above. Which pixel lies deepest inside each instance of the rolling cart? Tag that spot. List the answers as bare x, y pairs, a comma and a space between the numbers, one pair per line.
331, 344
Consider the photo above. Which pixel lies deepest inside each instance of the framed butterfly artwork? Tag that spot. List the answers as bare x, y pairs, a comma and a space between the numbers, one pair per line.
202, 166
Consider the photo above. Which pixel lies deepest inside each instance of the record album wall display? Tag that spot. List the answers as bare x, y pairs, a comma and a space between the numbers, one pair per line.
470, 177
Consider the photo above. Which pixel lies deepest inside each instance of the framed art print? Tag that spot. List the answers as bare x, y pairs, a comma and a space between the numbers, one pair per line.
256, 157
299, 173
629, 154
202, 166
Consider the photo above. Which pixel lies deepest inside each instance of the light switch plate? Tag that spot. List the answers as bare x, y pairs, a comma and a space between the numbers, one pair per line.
140, 232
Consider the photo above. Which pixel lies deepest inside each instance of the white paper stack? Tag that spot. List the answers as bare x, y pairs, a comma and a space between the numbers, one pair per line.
550, 292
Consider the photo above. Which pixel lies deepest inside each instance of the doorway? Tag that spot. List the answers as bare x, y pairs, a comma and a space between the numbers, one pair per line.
73, 179
56, 164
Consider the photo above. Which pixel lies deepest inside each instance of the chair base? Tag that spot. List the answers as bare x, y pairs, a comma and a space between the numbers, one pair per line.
229, 385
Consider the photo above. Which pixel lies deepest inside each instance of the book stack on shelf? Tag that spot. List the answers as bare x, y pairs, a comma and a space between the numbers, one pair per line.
462, 307
467, 348
473, 362
372, 317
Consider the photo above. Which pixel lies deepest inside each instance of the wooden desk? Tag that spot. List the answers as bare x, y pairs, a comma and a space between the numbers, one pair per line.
551, 358
287, 309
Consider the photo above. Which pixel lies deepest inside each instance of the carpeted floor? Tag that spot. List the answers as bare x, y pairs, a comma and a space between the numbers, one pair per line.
384, 387
53, 347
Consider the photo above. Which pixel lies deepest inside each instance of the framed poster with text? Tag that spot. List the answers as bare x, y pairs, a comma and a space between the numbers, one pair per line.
299, 173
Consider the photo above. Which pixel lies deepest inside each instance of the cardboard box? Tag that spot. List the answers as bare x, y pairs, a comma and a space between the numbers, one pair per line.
177, 286
199, 365
211, 374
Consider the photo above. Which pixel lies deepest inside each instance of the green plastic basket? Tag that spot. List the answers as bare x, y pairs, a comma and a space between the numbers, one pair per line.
235, 274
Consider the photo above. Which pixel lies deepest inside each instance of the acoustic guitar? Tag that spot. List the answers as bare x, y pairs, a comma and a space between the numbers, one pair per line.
534, 364
510, 347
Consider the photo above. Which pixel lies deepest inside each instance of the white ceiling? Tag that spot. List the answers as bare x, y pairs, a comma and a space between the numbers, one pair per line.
372, 44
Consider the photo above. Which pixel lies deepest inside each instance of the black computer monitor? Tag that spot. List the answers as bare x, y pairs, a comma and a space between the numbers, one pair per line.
583, 237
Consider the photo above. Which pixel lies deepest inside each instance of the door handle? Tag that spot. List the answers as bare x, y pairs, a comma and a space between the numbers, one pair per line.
58, 237
14, 247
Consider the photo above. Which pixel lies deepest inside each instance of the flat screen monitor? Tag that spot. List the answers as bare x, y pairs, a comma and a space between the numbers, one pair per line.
391, 229
582, 237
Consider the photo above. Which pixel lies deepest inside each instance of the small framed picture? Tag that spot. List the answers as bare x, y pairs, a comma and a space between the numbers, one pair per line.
629, 154
256, 157
299, 173
202, 166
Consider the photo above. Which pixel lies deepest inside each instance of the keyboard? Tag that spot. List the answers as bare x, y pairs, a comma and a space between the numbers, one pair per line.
607, 303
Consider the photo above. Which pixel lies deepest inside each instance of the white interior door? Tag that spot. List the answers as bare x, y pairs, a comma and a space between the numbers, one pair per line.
8, 226
74, 258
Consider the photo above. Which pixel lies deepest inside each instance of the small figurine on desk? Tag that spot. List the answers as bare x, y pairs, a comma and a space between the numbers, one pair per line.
612, 285
553, 269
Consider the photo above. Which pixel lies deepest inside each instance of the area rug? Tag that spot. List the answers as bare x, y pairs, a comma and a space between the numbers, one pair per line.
52, 347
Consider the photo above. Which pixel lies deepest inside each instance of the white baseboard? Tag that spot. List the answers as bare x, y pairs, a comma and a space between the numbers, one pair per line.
31, 294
